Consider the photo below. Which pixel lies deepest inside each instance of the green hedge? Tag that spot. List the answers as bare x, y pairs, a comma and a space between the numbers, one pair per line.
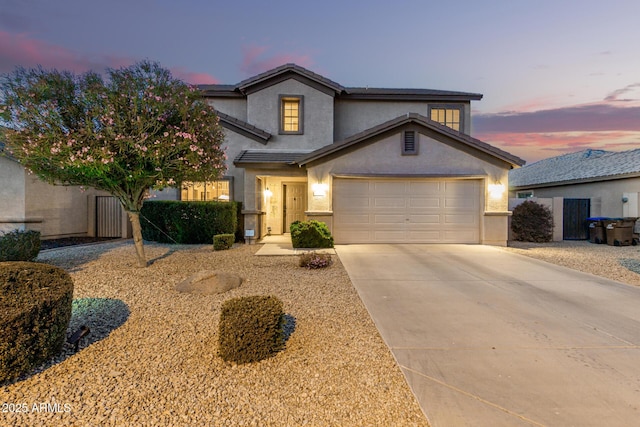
223, 241
187, 222
251, 328
310, 234
532, 222
19, 245
35, 309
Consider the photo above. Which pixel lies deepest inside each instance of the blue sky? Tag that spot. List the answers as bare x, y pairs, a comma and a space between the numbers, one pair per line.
557, 76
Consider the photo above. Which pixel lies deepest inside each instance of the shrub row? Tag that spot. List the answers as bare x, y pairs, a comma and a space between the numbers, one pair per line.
310, 234
167, 221
35, 309
251, 328
19, 245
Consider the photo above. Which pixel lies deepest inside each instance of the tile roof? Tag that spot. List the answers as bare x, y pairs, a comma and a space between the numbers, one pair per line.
269, 156
586, 165
238, 90
411, 118
244, 128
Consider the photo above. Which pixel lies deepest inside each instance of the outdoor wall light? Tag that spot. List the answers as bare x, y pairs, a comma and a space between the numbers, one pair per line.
267, 192
496, 190
319, 189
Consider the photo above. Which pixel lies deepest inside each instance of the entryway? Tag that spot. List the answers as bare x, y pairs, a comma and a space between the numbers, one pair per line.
294, 203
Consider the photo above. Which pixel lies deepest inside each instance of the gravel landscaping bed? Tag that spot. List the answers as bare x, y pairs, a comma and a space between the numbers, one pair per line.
150, 359
621, 263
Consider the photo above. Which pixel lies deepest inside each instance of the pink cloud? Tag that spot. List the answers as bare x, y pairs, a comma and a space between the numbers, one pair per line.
253, 64
21, 50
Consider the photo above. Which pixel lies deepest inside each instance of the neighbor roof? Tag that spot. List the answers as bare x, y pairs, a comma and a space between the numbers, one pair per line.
411, 118
241, 89
583, 166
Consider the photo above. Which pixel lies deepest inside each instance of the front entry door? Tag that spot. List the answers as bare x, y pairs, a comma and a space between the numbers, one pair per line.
295, 203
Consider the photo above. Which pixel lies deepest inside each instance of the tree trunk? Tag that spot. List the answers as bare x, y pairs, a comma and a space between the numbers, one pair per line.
134, 217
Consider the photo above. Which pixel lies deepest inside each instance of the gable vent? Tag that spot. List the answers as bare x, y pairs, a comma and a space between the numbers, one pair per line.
409, 142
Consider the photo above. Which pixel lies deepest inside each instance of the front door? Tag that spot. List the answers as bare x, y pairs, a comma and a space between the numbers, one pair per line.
295, 203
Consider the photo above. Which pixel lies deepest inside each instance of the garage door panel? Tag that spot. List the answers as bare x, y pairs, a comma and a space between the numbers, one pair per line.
424, 202
389, 202
400, 210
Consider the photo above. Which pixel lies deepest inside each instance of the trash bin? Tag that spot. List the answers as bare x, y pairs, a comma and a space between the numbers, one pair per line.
619, 234
597, 230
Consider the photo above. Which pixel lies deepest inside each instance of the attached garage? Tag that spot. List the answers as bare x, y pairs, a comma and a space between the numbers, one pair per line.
397, 210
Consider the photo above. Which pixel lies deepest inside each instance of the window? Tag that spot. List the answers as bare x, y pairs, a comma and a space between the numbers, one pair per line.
448, 116
206, 191
409, 142
524, 194
291, 114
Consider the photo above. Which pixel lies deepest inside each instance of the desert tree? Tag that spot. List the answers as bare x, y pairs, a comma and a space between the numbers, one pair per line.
134, 129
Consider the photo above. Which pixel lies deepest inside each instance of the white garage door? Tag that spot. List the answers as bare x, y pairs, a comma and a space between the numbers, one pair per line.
406, 211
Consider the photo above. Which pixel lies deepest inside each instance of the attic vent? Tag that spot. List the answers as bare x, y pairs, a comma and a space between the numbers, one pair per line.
409, 142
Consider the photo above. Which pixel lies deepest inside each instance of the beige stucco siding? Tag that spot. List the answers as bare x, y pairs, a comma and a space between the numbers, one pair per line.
263, 112
354, 116
606, 196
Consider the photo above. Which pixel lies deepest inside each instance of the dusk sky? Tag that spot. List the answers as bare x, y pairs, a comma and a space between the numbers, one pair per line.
557, 76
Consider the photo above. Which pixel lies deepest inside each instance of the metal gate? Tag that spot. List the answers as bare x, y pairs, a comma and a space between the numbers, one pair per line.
574, 219
108, 217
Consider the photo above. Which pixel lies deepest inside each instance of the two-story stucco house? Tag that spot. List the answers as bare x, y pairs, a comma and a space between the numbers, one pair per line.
376, 165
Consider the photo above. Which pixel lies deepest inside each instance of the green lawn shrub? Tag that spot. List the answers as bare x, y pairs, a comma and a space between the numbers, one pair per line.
35, 309
19, 245
310, 234
167, 221
313, 260
223, 241
251, 328
532, 222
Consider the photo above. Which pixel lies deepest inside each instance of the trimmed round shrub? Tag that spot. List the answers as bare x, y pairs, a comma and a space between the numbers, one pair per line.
251, 329
310, 234
532, 222
35, 309
19, 245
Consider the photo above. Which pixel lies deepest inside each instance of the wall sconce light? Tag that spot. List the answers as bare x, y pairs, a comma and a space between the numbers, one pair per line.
496, 190
319, 189
267, 192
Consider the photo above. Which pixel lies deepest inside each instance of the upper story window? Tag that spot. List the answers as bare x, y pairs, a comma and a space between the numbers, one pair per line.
291, 114
448, 116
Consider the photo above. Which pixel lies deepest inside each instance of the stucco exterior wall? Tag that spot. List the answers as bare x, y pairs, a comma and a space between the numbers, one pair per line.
12, 195
263, 109
236, 107
353, 116
606, 196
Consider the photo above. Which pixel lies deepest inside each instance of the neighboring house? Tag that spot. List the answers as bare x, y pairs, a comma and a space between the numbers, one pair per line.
28, 203
376, 165
593, 183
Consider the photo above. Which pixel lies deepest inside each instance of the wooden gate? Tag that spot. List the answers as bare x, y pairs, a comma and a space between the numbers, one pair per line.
574, 219
108, 217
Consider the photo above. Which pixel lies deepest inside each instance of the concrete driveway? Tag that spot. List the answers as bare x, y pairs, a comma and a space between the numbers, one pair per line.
490, 338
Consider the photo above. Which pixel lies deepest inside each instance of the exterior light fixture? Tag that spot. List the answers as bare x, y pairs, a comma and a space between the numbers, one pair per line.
319, 189
268, 193
496, 190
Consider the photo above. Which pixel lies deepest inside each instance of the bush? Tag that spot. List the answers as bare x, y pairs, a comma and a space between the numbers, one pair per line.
187, 222
315, 260
251, 328
310, 234
19, 245
532, 222
223, 241
35, 309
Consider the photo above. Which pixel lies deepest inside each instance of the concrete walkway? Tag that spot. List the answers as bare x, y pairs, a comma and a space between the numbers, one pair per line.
490, 338
281, 245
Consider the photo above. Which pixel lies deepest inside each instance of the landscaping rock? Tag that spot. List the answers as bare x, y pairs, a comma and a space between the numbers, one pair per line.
209, 283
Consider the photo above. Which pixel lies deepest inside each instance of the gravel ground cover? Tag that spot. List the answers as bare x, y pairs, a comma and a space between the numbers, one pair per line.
621, 263
150, 359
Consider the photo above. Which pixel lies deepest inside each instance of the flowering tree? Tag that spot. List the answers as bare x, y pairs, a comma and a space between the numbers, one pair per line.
139, 129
